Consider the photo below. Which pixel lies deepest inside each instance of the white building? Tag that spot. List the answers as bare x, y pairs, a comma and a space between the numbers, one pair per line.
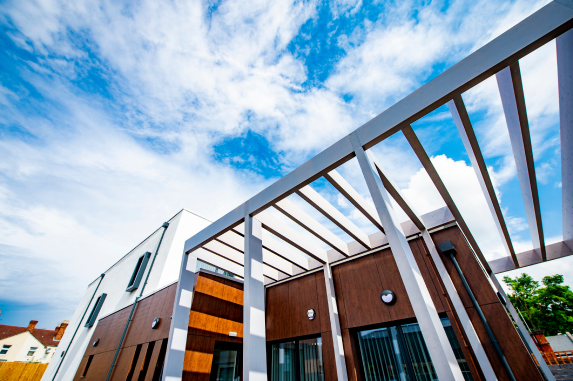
29, 344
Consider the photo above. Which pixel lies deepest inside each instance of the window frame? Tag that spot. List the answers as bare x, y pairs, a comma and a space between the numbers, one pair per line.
95, 310
32, 350
297, 363
5, 348
138, 272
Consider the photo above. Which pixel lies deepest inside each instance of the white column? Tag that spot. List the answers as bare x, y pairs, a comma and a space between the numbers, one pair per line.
173, 365
465, 321
437, 342
254, 340
565, 78
341, 373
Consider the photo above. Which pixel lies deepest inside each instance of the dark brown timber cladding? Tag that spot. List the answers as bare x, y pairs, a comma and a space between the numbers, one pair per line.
141, 343
359, 282
286, 315
503, 329
216, 311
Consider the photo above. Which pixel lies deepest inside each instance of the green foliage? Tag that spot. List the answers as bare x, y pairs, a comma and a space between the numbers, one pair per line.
548, 308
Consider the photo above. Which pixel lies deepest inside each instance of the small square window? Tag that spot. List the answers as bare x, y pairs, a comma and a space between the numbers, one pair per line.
32, 351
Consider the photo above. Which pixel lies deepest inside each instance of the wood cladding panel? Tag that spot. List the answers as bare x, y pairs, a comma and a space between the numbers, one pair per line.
101, 333
123, 364
198, 358
117, 328
158, 300
471, 269
329, 363
390, 279
81, 368
360, 288
302, 297
153, 361
514, 350
351, 355
137, 328
231, 317
98, 369
277, 312
339, 297
139, 363
162, 332
206, 307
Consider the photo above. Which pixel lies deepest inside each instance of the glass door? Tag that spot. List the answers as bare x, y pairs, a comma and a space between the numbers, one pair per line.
297, 360
400, 354
227, 362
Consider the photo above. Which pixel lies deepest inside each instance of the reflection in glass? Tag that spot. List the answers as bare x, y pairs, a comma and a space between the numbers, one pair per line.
381, 356
310, 357
283, 360
400, 354
226, 365
457, 349
419, 356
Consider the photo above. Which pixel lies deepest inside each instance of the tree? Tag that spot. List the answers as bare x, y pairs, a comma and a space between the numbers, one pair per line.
548, 308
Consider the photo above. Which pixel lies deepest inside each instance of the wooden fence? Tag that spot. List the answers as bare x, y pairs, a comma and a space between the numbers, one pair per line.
558, 358
21, 371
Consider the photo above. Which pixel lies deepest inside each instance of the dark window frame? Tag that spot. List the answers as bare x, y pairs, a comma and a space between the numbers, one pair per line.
138, 272
95, 311
297, 364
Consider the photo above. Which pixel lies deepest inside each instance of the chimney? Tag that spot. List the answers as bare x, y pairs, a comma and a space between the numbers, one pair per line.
31, 325
60, 329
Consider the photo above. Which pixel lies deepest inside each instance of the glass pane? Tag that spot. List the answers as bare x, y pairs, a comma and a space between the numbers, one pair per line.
382, 359
225, 365
283, 362
419, 356
457, 349
310, 357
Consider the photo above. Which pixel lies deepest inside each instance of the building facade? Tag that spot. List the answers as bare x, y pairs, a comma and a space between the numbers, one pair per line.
301, 293
29, 344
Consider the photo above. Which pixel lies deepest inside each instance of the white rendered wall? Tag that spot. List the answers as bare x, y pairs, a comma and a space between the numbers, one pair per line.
165, 271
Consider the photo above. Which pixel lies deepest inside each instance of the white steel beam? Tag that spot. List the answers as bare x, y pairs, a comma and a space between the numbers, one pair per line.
254, 342
466, 131
435, 177
338, 347
354, 197
313, 226
441, 353
236, 240
395, 192
513, 101
565, 78
284, 232
323, 206
531, 33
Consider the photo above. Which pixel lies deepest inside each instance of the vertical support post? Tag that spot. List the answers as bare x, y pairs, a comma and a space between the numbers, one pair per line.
254, 335
441, 352
565, 78
513, 102
460, 309
340, 362
175, 356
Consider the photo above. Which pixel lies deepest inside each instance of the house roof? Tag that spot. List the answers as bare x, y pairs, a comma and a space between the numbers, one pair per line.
45, 336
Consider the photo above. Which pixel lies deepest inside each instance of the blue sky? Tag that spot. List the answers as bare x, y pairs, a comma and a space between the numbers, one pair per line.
115, 115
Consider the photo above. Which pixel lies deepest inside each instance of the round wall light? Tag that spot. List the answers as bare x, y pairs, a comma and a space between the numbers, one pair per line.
155, 323
388, 297
95, 343
311, 314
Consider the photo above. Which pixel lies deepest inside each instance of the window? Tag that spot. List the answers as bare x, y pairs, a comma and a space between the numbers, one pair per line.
138, 272
400, 353
227, 362
4, 349
298, 360
95, 311
32, 351
87, 366
47, 352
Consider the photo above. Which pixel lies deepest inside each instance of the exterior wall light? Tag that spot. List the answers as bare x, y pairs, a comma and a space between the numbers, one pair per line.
388, 297
96, 342
155, 323
311, 314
